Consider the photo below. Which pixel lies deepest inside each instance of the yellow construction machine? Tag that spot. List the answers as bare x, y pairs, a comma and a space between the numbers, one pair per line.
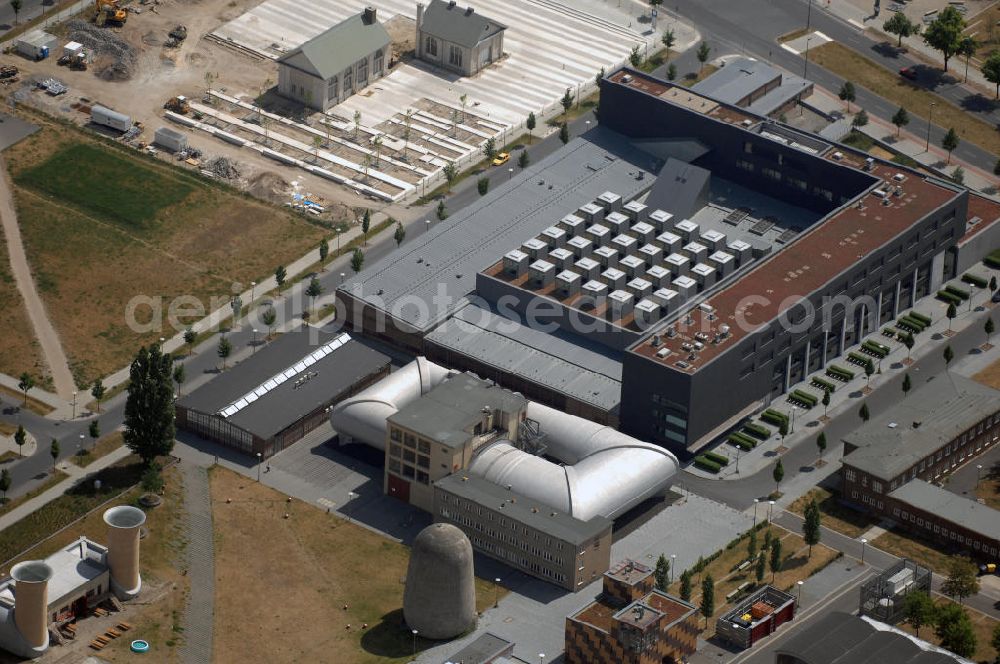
108, 12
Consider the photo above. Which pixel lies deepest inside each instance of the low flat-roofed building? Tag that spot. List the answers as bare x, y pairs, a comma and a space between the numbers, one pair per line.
525, 534
754, 85
487, 648
282, 392
938, 514
937, 427
631, 621
757, 616
840, 638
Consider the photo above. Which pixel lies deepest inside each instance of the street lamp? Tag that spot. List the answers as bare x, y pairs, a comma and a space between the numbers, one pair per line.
809, 15
979, 473
770, 506
259, 457
253, 287
805, 67
414, 632
350, 496
496, 595
81, 441
343, 276
799, 600
863, 543
541, 658
74, 404
930, 114
254, 342
738, 460
510, 174
427, 225
673, 564
755, 501
792, 427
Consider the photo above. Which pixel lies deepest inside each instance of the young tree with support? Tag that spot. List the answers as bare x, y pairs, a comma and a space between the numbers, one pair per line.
366, 224
668, 39
224, 349
268, 318
530, 123
811, 527
948, 355
945, 33
94, 429
54, 452
567, 103
908, 341
991, 71
26, 383
5, 482
847, 94
357, 260
821, 443
523, 160
752, 544
20, 438
761, 568
777, 475
704, 50
707, 597
97, 391
900, 119
988, 328
901, 26
864, 413
686, 585
661, 575
399, 235
950, 142
826, 402
179, 376
775, 558
907, 384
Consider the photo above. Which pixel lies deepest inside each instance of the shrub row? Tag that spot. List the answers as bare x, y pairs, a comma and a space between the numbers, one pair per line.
720, 459
876, 348
840, 373
890, 332
975, 280
774, 417
757, 430
911, 323
993, 260
949, 298
809, 399
742, 441
959, 292
824, 384
916, 315
705, 463
860, 360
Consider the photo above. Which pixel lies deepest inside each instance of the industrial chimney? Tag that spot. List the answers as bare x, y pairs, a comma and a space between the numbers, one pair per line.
31, 602
368, 18
124, 522
439, 600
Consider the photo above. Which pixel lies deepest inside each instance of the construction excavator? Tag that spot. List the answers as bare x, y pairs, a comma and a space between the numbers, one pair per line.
109, 12
178, 104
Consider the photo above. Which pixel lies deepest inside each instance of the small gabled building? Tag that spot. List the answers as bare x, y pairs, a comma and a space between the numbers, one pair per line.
457, 38
335, 64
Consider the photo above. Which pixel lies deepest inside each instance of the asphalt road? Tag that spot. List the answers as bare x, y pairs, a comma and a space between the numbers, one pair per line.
30, 9
752, 27
799, 459
204, 363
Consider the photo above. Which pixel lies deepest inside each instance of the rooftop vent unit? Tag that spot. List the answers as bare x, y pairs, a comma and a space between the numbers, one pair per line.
627, 78
681, 364
869, 163
747, 122
655, 341
662, 353
899, 177
881, 193
671, 332
838, 155
724, 331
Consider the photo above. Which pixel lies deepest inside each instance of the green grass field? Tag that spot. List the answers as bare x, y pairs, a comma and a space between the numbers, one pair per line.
106, 184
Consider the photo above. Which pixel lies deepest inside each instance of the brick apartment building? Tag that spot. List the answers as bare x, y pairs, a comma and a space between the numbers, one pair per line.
631, 622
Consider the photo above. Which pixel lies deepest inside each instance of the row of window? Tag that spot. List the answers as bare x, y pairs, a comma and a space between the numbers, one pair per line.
513, 558
455, 53
927, 524
408, 472
217, 428
358, 70
470, 507
502, 535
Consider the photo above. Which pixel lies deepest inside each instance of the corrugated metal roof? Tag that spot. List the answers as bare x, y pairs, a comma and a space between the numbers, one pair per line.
945, 407
461, 25
330, 53
431, 276
947, 505
736, 80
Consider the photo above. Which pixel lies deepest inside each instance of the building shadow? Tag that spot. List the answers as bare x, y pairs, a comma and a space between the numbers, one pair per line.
887, 49
391, 638
978, 103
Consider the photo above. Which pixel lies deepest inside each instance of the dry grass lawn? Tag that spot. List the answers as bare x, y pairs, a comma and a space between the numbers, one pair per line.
89, 263
990, 375
982, 624
94, 451
158, 609
834, 515
19, 351
865, 72
989, 491
905, 545
31, 403
281, 584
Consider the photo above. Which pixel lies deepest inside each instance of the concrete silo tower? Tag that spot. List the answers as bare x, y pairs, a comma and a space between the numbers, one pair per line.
31, 603
440, 596
124, 522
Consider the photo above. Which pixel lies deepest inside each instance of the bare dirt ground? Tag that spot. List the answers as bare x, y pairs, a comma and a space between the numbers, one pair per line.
45, 332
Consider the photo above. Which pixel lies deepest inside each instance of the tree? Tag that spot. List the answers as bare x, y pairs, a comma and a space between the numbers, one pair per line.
958, 175
450, 173
955, 630
54, 452
366, 224
324, 250
962, 581
863, 413
778, 474
948, 355
907, 384
564, 133
357, 260
152, 480
995, 642
490, 148
399, 235
600, 77
707, 597
783, 430
908, 341
901, 26
821, 443
967, 48
357, 124
752, 544
463, 100
635, 56
988, 329
811, 530
900, 119
775, 558
662, 573
567, 102
826, 401
671, 71
407, 119
189, 338
314, 289
279, 275
761, 569
268, 317
951, 313
442, 211
529, 124
860, 120
224, 350
944, 33
523, 159
869, 370
668, 39
950, 141
919, 609
847, 93
25, 383
97, 391
20, 437
991, 71
702, 54
95, 432
483, 185
317, 144
686, 585
4, 483
179, 376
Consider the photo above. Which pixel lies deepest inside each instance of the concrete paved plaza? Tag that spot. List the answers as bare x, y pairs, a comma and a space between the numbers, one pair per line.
551, 46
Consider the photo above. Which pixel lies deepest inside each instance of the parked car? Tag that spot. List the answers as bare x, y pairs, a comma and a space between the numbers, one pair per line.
908, 73
501, 159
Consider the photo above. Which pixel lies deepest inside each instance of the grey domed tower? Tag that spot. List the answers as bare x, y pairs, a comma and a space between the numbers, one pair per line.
440, 596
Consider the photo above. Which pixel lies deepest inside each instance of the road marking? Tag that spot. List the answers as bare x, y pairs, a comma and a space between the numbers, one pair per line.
326, 502
856, 23
789, 48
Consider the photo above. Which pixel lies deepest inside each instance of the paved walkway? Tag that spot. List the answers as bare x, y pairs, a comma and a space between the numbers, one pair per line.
198, 614
48, 339
74, 472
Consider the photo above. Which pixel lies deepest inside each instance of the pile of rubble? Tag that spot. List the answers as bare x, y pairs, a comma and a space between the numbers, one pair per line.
120, 58
224, 168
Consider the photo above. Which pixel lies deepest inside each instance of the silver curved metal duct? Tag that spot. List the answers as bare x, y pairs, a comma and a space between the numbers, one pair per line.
606, 472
